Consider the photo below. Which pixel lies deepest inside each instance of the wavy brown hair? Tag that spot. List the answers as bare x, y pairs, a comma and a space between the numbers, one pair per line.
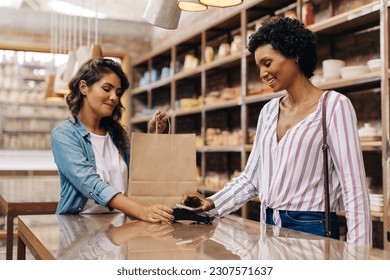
91, 72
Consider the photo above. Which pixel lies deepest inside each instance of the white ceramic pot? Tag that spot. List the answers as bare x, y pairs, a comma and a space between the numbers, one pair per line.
331, 68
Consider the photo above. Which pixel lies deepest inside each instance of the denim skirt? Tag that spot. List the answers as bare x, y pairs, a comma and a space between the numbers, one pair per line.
306, 221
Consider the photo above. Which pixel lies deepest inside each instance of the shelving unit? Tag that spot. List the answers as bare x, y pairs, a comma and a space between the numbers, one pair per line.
354, 34
26, 118
28, 126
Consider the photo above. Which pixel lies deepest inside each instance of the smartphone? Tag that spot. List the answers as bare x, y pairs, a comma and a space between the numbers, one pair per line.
191, 204
194, 209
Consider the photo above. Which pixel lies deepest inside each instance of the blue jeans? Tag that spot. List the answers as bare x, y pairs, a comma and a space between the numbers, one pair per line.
306, 221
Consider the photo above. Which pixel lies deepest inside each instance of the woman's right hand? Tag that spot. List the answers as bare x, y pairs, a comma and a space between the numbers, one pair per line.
207, 203
159, 121
156, 213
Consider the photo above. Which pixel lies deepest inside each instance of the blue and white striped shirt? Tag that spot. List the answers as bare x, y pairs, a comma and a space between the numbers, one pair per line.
288, 175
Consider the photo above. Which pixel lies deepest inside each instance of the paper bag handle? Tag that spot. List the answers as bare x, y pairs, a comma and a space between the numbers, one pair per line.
169, 126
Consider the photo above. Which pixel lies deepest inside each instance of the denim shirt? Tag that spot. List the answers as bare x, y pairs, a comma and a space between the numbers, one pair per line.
75, 160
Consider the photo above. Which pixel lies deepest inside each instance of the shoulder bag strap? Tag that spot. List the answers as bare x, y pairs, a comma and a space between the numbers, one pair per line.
326, 175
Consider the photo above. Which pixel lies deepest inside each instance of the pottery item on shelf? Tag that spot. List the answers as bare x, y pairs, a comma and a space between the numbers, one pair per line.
165, 72
236, 44
209, 54
190, 62
374, 64
224, 50
376, 202
307, 14
331, 68
353, 71
367, 130
189, 102
154, 75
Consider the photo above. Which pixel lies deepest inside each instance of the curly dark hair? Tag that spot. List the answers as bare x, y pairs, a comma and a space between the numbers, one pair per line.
289, 37
91, 72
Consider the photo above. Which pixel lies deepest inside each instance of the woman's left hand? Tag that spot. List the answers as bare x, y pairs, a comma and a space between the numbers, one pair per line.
159, 118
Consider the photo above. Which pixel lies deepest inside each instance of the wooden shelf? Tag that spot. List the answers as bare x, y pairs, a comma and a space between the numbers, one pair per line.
262, 97
371, 145
136, 120
375, 215
360, 17
363, 79
221, 149
188, 111
222, 105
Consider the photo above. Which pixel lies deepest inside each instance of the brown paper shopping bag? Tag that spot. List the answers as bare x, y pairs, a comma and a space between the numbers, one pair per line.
162, 167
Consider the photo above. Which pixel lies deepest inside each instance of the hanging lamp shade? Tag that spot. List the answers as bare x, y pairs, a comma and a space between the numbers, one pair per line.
191, 5
50, 94
221, 3
163, 13
96, 51
60, 85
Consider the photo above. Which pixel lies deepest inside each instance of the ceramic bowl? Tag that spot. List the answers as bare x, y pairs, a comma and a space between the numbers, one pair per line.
374, 64
353, 71
367, 130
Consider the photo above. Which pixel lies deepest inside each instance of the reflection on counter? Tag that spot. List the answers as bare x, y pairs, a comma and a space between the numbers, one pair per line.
113, 236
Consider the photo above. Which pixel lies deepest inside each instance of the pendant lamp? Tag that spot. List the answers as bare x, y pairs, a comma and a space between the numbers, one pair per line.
50, 94
221, 3
96, 49
191, 5
162, 13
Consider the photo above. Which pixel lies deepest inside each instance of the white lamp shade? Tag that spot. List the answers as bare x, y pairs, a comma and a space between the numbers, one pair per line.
221, 3
191, 5
163, 13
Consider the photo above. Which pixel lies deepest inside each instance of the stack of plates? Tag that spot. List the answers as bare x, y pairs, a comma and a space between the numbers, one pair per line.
376, 202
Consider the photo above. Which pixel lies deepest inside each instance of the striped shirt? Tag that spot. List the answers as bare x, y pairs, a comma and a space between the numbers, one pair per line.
288, 175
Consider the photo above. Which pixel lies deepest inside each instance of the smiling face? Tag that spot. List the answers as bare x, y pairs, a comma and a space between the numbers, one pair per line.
102, 97
276, 70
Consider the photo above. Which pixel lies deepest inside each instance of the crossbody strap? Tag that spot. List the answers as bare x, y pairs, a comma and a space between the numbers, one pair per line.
326, 175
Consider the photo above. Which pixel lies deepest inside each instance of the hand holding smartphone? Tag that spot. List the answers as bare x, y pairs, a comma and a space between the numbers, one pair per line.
194, 209
191, 204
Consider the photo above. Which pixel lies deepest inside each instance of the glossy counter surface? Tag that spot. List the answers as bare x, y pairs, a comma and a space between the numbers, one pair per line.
112, 236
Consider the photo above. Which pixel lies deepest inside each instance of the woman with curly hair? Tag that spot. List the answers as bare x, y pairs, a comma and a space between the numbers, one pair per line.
91, 148
285, 167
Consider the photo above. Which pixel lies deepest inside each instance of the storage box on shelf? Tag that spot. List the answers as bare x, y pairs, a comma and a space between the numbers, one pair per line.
226, 83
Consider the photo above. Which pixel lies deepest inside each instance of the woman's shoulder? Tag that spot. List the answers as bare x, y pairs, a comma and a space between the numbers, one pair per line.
65, 125
338, 102
272, 105
337, 96
65, 128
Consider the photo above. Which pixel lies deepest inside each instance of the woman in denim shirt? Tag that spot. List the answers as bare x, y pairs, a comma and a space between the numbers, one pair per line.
91, 148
